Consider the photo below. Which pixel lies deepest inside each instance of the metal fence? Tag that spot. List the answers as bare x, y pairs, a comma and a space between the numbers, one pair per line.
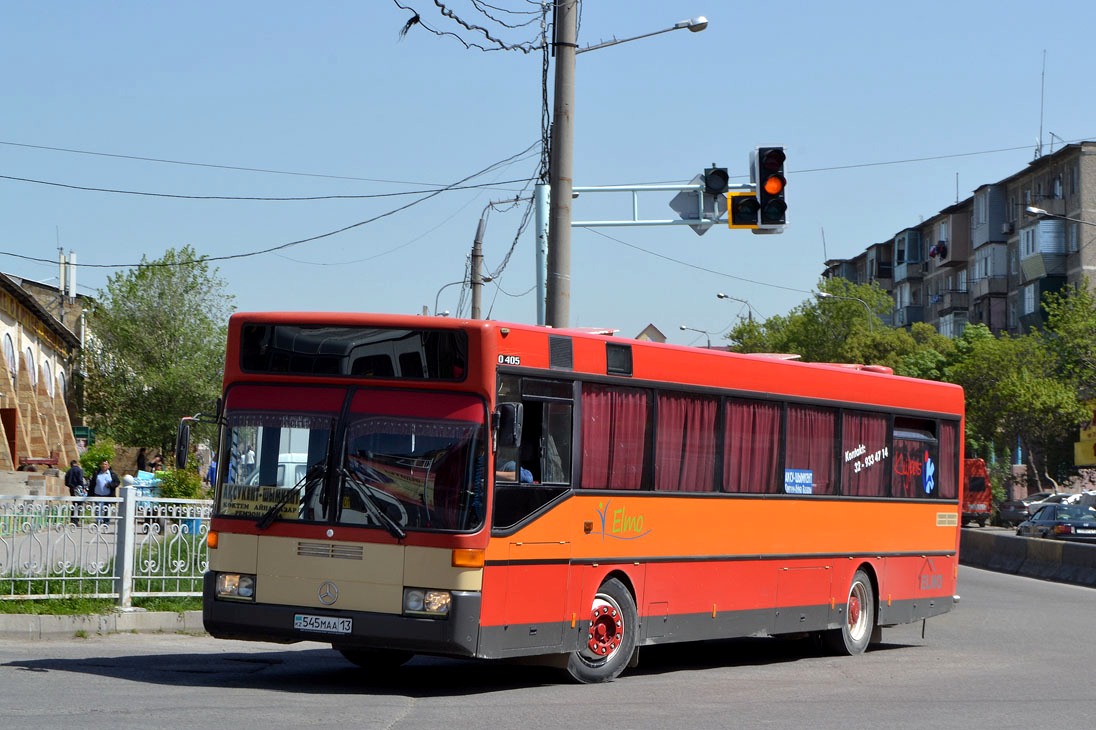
102, 547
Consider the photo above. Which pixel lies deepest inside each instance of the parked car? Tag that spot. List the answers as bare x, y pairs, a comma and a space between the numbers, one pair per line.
1015, 511
1012, 512
1061, 522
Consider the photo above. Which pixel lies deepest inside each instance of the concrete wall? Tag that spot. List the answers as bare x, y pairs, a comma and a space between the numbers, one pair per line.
1058, 560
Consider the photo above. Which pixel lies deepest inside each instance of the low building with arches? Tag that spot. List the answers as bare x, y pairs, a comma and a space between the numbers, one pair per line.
39, 357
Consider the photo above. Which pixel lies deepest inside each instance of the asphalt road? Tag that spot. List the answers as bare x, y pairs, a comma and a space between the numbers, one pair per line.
1015, 648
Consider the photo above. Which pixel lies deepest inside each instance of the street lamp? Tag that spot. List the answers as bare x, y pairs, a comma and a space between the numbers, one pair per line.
443, 288
694, 25
721, 295
827, 295
562, 153
1041, 213
706, 334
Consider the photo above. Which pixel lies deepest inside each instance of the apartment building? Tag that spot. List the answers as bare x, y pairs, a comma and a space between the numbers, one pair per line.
990, 258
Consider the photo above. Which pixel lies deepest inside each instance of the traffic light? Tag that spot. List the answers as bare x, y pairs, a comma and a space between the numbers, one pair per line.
767, 171
742, 208
716, 180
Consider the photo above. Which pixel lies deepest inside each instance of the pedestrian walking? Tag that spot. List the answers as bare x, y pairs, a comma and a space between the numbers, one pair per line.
77, 485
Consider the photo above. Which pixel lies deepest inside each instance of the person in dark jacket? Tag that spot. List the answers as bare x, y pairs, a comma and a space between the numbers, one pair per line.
74, 480
77, 487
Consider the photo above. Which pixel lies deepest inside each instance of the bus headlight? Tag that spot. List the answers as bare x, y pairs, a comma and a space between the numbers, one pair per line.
426, 602
236, 586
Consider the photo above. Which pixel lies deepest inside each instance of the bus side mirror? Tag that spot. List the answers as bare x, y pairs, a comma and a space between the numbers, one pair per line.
182, 443
508, 418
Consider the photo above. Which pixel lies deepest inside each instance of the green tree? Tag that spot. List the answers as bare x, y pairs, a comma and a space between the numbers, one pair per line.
155, 350
1015, 395
1071, 330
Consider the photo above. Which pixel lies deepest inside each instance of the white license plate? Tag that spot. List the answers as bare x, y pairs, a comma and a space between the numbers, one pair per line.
978, 508
1086, 532
324, 624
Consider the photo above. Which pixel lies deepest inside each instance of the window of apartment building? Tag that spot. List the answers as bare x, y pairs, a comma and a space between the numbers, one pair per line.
1030, 298
1027, 242
1058, 187
942, 232
1012, 319
979, 209
1027, 197
1074, 179
1073, 235
961, 281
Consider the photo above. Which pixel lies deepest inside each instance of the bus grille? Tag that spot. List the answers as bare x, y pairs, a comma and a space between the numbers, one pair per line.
326, 550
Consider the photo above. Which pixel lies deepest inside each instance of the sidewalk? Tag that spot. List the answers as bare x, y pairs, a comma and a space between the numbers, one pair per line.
26, 626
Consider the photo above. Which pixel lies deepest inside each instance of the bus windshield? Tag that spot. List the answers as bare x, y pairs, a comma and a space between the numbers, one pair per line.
395, 460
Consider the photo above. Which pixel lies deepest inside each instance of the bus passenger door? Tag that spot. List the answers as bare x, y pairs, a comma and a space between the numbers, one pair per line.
536, 595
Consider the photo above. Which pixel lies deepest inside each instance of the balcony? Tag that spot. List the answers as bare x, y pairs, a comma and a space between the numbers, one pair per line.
909, 270
951, 301
989, 286
905, 316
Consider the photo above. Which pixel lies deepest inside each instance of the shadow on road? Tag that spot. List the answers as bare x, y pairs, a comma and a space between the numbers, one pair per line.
324, 671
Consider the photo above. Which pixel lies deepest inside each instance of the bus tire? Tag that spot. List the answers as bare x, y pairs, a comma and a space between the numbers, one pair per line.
611, 639
375, 661
859, 620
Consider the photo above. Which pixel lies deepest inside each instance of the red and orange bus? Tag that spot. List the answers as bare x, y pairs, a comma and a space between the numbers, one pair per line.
480, 489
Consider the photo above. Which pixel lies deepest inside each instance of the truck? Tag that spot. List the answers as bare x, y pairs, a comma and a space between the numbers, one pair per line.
977, 495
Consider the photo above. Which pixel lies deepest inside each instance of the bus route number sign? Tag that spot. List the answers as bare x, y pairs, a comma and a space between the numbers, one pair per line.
323, 624
509, 359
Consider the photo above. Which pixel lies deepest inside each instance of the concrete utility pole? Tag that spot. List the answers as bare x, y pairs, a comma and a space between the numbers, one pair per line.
477, 265
561, 165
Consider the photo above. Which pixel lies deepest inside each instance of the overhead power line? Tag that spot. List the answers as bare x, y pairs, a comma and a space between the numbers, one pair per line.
115, 191
298, 242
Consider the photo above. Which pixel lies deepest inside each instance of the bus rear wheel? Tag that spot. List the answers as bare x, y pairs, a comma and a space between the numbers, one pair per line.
611, 638
375, 661
856, 629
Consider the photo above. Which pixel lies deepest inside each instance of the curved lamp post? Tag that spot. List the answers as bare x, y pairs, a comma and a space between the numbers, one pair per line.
867, 309
706, 334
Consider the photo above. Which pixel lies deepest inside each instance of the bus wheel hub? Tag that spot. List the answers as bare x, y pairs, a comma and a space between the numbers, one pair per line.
605, 631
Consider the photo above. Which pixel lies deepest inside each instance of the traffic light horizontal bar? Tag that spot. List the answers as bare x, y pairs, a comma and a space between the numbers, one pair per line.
670, 222
661, 188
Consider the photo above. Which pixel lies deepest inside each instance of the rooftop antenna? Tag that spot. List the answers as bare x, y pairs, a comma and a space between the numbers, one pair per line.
825, 256
1042, 94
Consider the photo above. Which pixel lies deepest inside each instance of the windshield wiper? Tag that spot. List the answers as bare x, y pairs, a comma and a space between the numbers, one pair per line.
371, 505
314, 473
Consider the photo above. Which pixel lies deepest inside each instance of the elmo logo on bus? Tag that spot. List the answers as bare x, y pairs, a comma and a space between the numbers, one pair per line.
620, 524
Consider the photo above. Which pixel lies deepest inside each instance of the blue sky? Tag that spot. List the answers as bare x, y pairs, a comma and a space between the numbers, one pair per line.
889, 112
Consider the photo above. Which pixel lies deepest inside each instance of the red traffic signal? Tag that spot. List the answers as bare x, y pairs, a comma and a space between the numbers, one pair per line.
768, 175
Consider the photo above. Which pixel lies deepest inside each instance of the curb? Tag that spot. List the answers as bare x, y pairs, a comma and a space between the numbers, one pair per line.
29, 627
1057, 560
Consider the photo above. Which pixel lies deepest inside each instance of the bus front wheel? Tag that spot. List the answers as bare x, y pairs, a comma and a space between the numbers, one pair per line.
611, 639
859, 622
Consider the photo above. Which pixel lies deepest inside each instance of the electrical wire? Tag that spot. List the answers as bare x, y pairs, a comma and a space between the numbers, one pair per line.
298, 242
255, 198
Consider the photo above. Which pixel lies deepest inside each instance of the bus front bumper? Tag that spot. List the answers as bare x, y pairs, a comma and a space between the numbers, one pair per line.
455, 635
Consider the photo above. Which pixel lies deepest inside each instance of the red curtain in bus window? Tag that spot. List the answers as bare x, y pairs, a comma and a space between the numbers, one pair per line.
809, 448
685, 443
949, 460
865, 458
614, 437
751, 447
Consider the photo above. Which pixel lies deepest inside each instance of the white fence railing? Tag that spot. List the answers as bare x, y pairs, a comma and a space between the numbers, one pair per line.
102, 547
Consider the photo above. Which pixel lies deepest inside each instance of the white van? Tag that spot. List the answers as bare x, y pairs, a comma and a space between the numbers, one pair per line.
291, 469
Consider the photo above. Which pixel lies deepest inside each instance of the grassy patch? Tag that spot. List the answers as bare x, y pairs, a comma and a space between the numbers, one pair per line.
76, 606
